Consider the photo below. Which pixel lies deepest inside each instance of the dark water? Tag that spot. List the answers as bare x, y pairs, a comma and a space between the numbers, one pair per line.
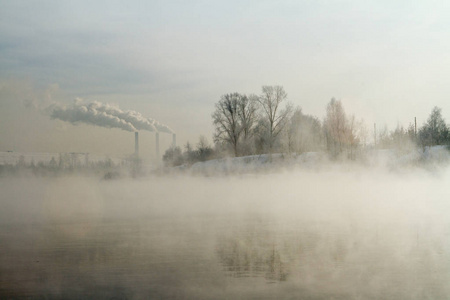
207, 257
123, 251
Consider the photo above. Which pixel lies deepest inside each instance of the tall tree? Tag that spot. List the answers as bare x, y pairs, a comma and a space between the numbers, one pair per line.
204, 150
342, 133
304, 133
227, 120
434, 131
274, 117
247, 115
352, 135
173, 157
335, 127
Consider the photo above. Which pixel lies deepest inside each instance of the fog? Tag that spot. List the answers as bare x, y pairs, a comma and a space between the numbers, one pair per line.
339, 232
224, 150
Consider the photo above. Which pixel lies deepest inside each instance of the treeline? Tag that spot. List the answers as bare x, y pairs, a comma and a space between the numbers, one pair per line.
433, 132
68, 163
201, 152
268, 123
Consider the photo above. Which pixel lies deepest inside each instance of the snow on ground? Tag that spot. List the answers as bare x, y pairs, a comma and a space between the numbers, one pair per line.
255, 163
385, 158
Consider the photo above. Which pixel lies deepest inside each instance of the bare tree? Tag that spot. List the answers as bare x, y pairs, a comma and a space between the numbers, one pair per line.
352, 138
227, 121
304, 133
247, 114
384, 139
343, 134
173, 157
274, 117
335, 126
204, 150
234, 120
248, 117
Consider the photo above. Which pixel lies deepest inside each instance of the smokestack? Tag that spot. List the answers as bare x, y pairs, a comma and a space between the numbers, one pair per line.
136, 143
375, 134
157, 145
174, 140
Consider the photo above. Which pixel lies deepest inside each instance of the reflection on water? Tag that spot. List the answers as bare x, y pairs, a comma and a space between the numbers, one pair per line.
323, 260
121, 260
253, 252
208, 257
145, 241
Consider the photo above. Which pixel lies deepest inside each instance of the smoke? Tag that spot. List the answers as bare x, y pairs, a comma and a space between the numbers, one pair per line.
89, 115
132, 117
106, 115
161, 127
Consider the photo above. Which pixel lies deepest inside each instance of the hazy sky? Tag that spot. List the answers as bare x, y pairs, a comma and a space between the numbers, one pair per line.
388, 61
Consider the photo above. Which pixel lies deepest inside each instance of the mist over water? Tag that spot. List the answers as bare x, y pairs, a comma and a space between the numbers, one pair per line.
224, 150
343, 232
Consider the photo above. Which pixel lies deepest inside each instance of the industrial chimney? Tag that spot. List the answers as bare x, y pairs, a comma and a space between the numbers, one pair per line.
157, 145
174, 140
136, 144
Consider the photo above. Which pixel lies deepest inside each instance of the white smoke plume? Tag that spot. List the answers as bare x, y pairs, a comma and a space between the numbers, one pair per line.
85, 114
106, 115
161, 127
133, 117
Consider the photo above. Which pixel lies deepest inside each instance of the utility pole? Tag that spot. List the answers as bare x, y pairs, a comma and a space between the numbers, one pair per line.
415, 128
157, 147
375, 134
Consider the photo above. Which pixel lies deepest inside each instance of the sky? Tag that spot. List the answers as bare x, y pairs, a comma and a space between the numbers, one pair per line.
172, 60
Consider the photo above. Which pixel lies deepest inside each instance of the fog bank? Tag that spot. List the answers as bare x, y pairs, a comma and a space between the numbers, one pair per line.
342, 233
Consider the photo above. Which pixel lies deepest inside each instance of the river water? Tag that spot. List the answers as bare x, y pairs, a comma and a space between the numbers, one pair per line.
286, 236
